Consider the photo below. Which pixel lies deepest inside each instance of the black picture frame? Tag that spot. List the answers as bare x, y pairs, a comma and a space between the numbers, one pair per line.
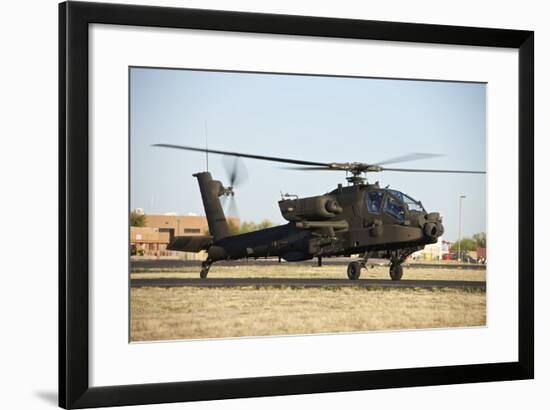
74, 388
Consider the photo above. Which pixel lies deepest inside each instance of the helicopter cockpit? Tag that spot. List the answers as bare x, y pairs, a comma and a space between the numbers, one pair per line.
394, 203
412, 204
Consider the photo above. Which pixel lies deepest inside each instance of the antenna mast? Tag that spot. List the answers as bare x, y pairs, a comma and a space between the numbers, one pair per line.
206, 138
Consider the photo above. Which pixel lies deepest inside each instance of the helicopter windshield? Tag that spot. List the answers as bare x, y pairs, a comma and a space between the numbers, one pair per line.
374, 201
412, 204
394, 208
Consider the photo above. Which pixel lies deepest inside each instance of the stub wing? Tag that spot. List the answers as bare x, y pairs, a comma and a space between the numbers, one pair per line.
190, 243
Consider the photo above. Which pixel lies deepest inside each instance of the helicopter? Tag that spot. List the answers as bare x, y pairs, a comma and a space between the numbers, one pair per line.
359, 218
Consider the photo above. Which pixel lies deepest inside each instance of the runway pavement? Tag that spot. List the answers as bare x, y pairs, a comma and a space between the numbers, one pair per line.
304, 283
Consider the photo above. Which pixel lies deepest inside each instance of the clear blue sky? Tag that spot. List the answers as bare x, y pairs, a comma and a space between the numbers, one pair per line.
326, 119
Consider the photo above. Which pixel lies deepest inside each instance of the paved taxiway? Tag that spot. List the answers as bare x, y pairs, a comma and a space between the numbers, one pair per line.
305, 283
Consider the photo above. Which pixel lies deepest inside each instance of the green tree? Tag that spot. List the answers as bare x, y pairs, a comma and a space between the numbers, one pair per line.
266, 223
245, 227
466, 244
248, 226
233, 226
137, 219
481, 239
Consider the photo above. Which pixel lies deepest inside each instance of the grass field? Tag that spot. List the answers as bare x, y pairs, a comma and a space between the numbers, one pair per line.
195, 312
302, 271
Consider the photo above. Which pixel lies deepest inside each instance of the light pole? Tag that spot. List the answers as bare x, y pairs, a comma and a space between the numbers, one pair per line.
460, 198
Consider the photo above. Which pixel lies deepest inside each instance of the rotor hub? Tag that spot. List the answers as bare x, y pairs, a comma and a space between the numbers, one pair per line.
356, 179
228, 191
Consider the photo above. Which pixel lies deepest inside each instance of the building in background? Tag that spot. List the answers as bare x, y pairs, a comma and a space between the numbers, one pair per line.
159, 230
146, 241
178, 225
433, 251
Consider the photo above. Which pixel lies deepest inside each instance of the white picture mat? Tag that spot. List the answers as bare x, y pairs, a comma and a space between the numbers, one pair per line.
114, 361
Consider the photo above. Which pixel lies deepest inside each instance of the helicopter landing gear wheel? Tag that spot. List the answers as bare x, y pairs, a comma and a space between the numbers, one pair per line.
396, 271
354, 270
205, 267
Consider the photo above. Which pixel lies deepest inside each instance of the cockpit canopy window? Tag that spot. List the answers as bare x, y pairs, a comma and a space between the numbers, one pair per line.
411, 203
374, 201
397, 194
394, 208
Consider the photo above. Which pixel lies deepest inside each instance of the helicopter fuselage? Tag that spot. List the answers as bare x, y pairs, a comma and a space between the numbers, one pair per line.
349, 220
357, 219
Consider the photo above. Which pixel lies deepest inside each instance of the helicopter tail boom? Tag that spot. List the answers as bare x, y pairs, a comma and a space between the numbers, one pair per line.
190, 243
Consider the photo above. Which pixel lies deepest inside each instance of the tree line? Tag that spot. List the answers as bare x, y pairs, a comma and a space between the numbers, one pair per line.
247, 226
479, 240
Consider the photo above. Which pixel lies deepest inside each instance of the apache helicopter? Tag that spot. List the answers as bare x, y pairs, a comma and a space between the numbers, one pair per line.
360, 218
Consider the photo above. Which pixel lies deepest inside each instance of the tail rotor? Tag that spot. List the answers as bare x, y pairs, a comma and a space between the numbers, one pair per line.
237, 175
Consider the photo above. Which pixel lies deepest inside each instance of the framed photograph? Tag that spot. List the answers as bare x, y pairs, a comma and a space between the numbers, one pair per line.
258, 204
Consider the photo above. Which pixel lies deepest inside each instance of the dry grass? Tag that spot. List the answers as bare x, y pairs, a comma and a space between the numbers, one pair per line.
306, 271
194, 313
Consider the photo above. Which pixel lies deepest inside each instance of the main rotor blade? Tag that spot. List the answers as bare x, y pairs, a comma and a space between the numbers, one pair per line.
448, 171
311, 168
414, 156
240, 154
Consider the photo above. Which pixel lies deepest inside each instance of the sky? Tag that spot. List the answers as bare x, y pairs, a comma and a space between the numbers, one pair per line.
316, 118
